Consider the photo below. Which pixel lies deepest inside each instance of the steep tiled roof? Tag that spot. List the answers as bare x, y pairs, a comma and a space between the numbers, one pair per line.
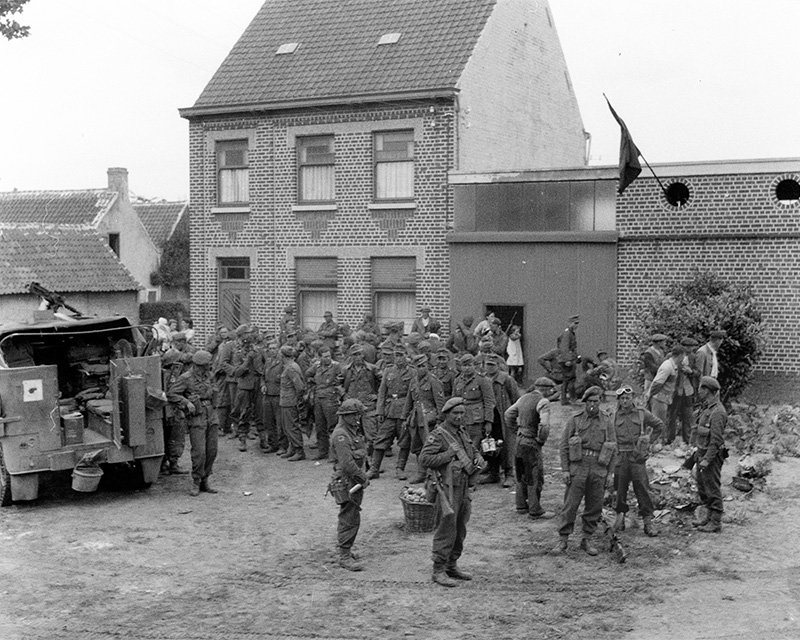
62, 259
54, 207
159, 219
338, 54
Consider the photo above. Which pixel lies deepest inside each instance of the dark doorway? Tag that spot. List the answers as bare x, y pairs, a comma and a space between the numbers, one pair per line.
507, 314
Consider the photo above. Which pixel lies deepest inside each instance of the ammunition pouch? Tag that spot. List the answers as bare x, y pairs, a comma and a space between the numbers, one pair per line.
606, 453
339, 488
575, 449
641, 448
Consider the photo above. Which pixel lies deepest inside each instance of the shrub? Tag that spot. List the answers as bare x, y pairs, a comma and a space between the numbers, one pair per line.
694, 308
150, 312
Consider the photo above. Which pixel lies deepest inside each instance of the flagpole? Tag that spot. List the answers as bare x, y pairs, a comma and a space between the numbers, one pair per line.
660, 184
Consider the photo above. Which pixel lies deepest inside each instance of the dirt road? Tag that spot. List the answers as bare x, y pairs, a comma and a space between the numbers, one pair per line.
258, 560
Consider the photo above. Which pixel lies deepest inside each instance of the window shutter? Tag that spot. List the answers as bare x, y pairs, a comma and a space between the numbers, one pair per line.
315, 272
394, 273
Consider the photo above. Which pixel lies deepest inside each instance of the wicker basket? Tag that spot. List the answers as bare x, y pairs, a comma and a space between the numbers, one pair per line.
419, 515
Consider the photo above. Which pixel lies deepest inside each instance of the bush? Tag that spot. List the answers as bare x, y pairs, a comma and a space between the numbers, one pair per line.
173, 269
692, 309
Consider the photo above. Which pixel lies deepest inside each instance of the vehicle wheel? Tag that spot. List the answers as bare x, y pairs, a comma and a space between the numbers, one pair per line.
5, 482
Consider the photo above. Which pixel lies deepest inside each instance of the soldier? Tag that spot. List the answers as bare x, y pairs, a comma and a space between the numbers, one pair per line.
568, 360
443, 372
635, 429
368, 324
173, 364
588, 454
462, 339
274, 439
389, 409
361, 382
423, 404
549, 362
506, 393
486, 353
221, 334
708, 437
195, 390
453, 463
652, 358
226, 384
479, 403
349, 454
292, 387
530, 414
328, 331
247, 370
325, 379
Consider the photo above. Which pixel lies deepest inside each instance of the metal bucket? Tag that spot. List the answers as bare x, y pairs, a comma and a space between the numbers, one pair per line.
86, 479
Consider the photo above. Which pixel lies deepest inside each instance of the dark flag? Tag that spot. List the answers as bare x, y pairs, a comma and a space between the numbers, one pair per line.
629, 167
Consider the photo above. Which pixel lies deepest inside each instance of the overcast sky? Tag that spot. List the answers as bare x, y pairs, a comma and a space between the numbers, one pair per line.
98, 83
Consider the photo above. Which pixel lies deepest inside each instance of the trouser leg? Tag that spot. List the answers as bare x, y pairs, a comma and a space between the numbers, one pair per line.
622, 480
572, 500
177, 437
641, 487
593, 501
197, 441
349, 522
291, 425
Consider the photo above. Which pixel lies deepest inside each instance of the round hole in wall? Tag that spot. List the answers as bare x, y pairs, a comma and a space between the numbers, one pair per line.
788, 190
678, 194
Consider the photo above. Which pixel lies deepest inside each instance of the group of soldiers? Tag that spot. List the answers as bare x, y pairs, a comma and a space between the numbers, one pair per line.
452, 405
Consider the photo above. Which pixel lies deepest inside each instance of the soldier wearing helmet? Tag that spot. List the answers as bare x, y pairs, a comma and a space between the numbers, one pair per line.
349, 455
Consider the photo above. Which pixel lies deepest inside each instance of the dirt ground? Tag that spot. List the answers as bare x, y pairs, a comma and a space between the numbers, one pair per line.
258, 560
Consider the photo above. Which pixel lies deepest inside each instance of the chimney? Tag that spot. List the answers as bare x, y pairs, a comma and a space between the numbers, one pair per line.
118, 181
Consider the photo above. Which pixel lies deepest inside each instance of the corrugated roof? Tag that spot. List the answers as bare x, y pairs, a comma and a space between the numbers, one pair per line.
159, 219
54, 207
62, 259
338, 53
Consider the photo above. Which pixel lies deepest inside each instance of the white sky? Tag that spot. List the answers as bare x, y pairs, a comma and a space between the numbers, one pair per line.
98, 83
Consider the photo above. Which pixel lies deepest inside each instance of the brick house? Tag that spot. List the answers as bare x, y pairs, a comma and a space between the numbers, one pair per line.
320, 150
163, 221
568, 243
107, 211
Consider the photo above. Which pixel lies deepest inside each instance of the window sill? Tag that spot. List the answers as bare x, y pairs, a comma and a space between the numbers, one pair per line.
377, 206
230, 209
313, 207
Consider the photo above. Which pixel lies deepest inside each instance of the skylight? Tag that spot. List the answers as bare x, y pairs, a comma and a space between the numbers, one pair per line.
389, 38
289, 47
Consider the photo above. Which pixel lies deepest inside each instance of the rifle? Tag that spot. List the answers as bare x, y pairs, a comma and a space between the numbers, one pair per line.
614, 545
447, 509
54, 300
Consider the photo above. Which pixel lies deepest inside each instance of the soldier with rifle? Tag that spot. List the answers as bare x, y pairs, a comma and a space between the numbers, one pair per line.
453, 464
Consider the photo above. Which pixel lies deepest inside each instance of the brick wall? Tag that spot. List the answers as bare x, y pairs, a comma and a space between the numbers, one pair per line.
353, 232
733, 225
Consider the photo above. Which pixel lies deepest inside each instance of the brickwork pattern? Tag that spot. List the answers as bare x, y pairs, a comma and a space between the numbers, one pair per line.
733, 226
274, 228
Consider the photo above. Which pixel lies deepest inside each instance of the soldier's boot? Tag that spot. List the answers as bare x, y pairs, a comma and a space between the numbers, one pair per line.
648, 527
586, 545
508, 479
262, 441
714, 524
454, 572
205, 485
375, 466
195, 490
400, 468
347, 561
619, 523
703, 521
419, 476
561, 547
243, 443
440, 576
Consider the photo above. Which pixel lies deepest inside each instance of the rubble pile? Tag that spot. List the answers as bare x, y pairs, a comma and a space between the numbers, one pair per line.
752, 429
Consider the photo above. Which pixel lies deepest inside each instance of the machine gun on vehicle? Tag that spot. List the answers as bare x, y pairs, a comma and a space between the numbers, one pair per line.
53, 300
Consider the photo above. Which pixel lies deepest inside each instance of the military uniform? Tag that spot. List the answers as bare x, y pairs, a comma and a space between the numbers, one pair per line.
451, 530
361, 382
567, 359
423, 404
479, 402
247, 369
708, 437
292, 387
226, 384
349, 454
530, 415
506, 393
173, 365
587, 475
326, 382
276, 438
389, 409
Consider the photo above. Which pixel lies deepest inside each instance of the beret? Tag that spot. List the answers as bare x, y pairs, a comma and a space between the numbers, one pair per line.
202, 357
543, 382
719, 333
467, 358
452, 402
419, 359
689, 342
351, 405
658, 337
179, 335
591, 393
287, 350
709, 383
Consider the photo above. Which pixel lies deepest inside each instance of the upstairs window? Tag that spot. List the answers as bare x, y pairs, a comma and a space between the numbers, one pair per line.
233, 172
394, 165
315, 172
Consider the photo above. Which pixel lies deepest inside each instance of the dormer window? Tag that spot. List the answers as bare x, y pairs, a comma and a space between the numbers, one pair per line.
289, 47
389, 38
